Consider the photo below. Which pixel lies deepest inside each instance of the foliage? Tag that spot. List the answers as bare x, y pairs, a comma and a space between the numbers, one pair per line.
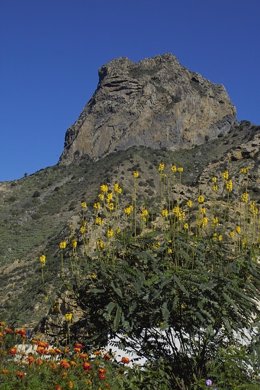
184, 311
176, 281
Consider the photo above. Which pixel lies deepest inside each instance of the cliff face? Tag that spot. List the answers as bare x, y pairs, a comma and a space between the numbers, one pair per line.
156, 103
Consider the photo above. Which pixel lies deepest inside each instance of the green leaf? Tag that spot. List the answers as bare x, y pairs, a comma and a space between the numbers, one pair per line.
117, 290
165, 312
98, 290
110, 307
180, 285
117, 318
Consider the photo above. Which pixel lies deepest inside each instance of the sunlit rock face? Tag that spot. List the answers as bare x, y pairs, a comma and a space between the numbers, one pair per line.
156, 103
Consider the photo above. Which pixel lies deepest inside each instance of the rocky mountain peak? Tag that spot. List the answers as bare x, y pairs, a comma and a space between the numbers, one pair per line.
155, 102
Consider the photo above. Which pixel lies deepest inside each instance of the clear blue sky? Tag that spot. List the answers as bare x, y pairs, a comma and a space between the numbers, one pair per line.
50, 52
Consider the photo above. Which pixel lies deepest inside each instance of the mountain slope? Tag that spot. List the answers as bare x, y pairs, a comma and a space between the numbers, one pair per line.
37, 212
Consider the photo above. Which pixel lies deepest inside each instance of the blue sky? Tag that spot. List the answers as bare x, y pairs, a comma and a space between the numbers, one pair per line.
50, 52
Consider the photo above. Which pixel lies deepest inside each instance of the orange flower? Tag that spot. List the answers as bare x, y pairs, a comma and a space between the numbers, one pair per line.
97, 353
107, 356
53, 365
39, 362
13, 351
125, 360
40, 350
5, 371
83, 355
42, 343
9, 331
64, 363
58, 387
102, 373
20, 374
86, 366
78, 345
21, 332
51, 351
30, 359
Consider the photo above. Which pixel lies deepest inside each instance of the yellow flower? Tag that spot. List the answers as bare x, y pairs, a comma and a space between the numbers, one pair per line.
215, 237
186, 226
214, 179
156, 245
182, 216
169, 251
253, 208
220, 237
83, 229
204, 221
180, 169
98, 221
110, 233
84, 205
43, 260
203, 210
215, 188
165, 213
201, 199
173, 168
109, 197
74, 244
161, 167
244, 243
244, 170
117, 188
97, 205
68, 317
245, 197
100, 244
229, 185
136, 174
215, 221
101, 197
62, 245
104, 188
144, 213
225, 175
128, 210
110, 206
189, 203
238, 229
176, 211
232, 234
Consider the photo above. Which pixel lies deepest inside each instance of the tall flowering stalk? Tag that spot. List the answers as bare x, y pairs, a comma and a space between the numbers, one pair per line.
62, 246
42, 262
136, 176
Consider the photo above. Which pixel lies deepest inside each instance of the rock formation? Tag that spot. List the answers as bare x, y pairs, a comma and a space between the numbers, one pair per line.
155, 103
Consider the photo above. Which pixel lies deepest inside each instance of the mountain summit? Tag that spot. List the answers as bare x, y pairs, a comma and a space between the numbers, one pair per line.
156, 103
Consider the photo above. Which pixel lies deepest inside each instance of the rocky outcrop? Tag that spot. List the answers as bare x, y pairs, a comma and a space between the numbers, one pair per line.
155, 103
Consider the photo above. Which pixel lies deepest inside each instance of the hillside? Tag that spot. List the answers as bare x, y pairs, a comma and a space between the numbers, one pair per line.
36, 211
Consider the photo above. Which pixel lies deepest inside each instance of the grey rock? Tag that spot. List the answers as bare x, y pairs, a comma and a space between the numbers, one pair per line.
155, 103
